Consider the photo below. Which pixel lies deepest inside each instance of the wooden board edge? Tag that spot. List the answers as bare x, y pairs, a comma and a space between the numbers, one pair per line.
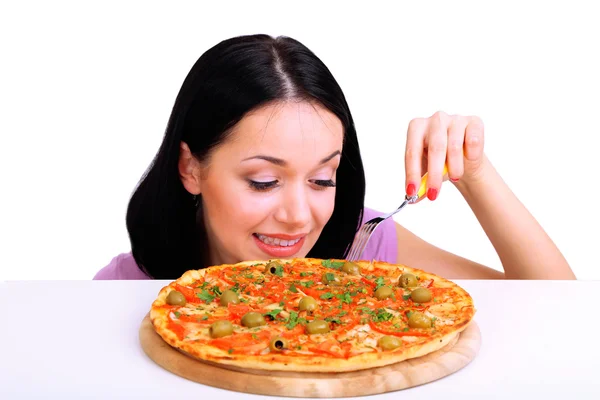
406, 374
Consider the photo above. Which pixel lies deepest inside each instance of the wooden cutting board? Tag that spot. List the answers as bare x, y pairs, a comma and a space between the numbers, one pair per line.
451, 358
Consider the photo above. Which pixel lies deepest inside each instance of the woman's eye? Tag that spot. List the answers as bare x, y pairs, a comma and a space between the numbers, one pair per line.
324, 183
260, 186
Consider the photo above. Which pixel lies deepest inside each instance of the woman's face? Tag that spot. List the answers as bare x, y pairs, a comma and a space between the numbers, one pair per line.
268, 191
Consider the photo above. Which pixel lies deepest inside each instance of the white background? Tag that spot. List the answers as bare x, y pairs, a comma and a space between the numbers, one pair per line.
86, 89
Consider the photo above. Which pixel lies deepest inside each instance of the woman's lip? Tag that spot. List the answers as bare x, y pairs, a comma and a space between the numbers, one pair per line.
283, 236
279, 251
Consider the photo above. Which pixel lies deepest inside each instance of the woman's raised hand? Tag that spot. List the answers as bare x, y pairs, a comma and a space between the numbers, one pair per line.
431, 142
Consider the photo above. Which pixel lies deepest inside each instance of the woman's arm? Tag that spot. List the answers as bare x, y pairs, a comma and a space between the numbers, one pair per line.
417, 253
525, 250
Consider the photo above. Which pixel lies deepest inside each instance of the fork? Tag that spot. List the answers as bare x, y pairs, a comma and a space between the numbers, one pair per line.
364, 233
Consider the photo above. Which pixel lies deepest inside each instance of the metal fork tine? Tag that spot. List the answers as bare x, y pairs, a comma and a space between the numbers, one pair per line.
362, 235
366, 234
358, 246
361, 240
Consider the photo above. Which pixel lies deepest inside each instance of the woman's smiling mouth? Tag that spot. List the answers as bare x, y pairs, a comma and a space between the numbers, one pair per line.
279, 245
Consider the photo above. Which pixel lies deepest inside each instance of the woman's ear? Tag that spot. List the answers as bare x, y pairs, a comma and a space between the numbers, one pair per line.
189, 170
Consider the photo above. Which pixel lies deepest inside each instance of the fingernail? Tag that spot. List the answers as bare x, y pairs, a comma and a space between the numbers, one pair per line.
411, 190
454, 179
432, 194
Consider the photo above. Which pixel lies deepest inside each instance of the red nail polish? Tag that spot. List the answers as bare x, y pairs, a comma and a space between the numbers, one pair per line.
410, 190
432, 194
454, 179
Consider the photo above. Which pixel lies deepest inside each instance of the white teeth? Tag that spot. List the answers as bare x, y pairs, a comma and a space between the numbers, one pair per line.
276, 241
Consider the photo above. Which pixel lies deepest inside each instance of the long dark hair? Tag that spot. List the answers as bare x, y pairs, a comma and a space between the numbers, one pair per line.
229, 80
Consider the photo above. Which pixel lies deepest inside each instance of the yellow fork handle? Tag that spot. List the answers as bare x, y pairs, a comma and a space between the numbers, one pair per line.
423, 187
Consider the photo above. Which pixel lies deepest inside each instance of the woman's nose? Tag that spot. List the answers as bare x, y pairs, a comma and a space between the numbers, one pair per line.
294, 208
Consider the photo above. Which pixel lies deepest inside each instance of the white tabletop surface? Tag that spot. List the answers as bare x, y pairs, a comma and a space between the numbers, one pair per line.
79, 339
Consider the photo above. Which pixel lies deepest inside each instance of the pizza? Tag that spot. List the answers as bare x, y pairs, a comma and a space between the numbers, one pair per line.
310, 315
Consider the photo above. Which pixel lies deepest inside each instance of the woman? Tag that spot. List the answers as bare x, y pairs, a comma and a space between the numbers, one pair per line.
260, 160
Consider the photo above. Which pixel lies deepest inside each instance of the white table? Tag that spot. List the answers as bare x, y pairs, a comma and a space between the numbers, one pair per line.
79, 339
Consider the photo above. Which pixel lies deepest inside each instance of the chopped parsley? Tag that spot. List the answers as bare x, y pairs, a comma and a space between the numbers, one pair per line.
293, 320
382, 315
273, 313
207, 297
344, 298
278, 271
332, 264
335, 320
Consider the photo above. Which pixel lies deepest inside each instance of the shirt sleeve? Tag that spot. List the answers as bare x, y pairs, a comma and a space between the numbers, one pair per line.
383, 244
121, 267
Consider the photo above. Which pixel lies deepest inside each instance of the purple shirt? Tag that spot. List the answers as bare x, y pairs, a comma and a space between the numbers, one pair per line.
383, 246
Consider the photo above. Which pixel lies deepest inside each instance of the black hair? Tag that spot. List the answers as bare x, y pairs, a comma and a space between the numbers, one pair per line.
232, 78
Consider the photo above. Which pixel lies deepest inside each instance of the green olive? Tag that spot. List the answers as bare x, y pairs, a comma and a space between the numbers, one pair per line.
351, 268
229, 296
273, 266
278, 343
307, 303
329, 278
176, 298
220, 328
253, 319
317, 326
389, 342
383, 292
408, 280
421, 295
419, 320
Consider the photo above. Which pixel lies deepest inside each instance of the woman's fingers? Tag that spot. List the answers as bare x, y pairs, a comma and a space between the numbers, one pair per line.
437, 143
454, 155
417, 129
474, 141
453, 140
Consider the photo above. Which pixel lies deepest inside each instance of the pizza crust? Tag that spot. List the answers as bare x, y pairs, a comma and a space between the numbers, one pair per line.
462, 303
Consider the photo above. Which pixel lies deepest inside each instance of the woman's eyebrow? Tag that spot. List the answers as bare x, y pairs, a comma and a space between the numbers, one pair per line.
282, 163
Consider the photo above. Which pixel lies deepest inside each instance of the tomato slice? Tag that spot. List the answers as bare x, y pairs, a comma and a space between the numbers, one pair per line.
382, 329
330, 347
177, 329
298, 330
239, 340
368, 282
189, 294
238, 310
